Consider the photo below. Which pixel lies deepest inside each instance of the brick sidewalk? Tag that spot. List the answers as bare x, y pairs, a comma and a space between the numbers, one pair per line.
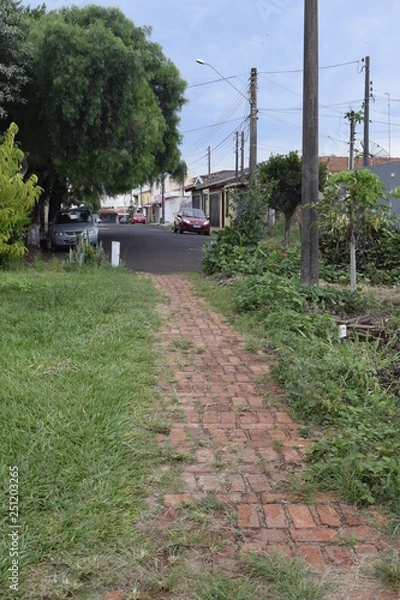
245, 447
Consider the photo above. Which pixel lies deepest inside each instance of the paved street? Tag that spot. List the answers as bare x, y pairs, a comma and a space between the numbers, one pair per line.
155, 248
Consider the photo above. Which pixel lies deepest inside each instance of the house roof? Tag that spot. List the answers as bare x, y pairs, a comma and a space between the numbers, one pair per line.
341, 163
217, 179
335, 164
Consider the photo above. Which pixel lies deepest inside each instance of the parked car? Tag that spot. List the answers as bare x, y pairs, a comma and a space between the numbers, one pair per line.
139, 217
70, 224
192, 219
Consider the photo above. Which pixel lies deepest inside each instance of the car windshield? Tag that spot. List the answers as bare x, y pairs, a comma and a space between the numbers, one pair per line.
193, 212
73, 216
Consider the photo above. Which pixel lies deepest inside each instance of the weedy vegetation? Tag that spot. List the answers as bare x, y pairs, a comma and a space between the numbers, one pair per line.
348, 387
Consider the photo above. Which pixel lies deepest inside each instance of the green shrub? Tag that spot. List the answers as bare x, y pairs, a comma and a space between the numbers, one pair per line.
378, 256
84, 255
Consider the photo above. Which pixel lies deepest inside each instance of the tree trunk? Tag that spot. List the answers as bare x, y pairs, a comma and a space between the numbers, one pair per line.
287, 231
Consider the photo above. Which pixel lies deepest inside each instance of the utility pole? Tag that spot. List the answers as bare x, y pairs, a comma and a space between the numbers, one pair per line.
352, 118
242, 155
366, 111
209, 159
163, 199
390, 135
253, 122
310, 162
237, 154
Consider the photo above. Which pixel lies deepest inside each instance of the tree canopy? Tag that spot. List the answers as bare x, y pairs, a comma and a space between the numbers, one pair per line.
284, 174
13, 56
351, 205
103, 104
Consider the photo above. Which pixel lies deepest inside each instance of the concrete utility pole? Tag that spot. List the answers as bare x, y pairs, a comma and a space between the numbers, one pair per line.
237, 154
352, 118
242, 154
389, 128
310, 169
253, 122
366, 112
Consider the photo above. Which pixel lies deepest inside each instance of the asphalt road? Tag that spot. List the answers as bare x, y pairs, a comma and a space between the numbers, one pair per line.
154, 248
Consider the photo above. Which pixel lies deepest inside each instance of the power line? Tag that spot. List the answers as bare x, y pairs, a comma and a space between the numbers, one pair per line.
209, 126
290, 71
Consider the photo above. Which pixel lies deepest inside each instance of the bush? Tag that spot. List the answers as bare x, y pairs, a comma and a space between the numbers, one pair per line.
232, 247
378, 257
17, 198
83, 255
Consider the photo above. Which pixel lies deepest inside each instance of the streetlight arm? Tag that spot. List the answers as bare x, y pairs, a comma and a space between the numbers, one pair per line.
200, 61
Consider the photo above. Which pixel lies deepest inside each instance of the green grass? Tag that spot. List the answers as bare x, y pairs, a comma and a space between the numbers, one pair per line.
287, 579
270, 576
77, 382
387, 569
221, 587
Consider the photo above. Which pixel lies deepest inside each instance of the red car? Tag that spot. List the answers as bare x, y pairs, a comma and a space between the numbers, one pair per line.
192, 219
139, 217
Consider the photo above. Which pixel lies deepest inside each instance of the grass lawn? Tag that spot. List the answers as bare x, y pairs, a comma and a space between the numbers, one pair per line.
77, 382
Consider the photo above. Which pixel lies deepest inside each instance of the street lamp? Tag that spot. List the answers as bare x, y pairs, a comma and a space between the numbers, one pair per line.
253, 111
200, 61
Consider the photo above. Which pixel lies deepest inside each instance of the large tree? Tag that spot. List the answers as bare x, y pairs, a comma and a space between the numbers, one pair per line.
13, 56
102, 101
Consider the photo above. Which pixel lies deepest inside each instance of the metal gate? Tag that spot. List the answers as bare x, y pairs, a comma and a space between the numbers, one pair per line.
214, 210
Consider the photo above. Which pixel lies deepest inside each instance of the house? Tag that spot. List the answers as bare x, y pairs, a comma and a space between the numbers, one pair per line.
389, 173
115, 209
387, 169
335, 164
213, 194
173, 201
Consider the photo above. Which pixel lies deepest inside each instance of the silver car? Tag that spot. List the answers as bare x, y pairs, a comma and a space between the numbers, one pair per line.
70, 224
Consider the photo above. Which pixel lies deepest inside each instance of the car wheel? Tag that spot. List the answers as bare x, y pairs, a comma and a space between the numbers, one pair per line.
180, 230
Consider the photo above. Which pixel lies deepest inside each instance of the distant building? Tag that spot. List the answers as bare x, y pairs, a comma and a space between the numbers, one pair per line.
389, 173
213, 194
335, 164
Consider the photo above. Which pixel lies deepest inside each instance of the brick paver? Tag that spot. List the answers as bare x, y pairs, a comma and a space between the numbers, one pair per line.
244, 448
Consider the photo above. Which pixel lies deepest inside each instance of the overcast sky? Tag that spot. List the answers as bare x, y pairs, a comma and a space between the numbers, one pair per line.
233, 36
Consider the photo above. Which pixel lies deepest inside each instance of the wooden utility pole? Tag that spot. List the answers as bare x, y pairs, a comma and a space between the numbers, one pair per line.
253, 122
310, 168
